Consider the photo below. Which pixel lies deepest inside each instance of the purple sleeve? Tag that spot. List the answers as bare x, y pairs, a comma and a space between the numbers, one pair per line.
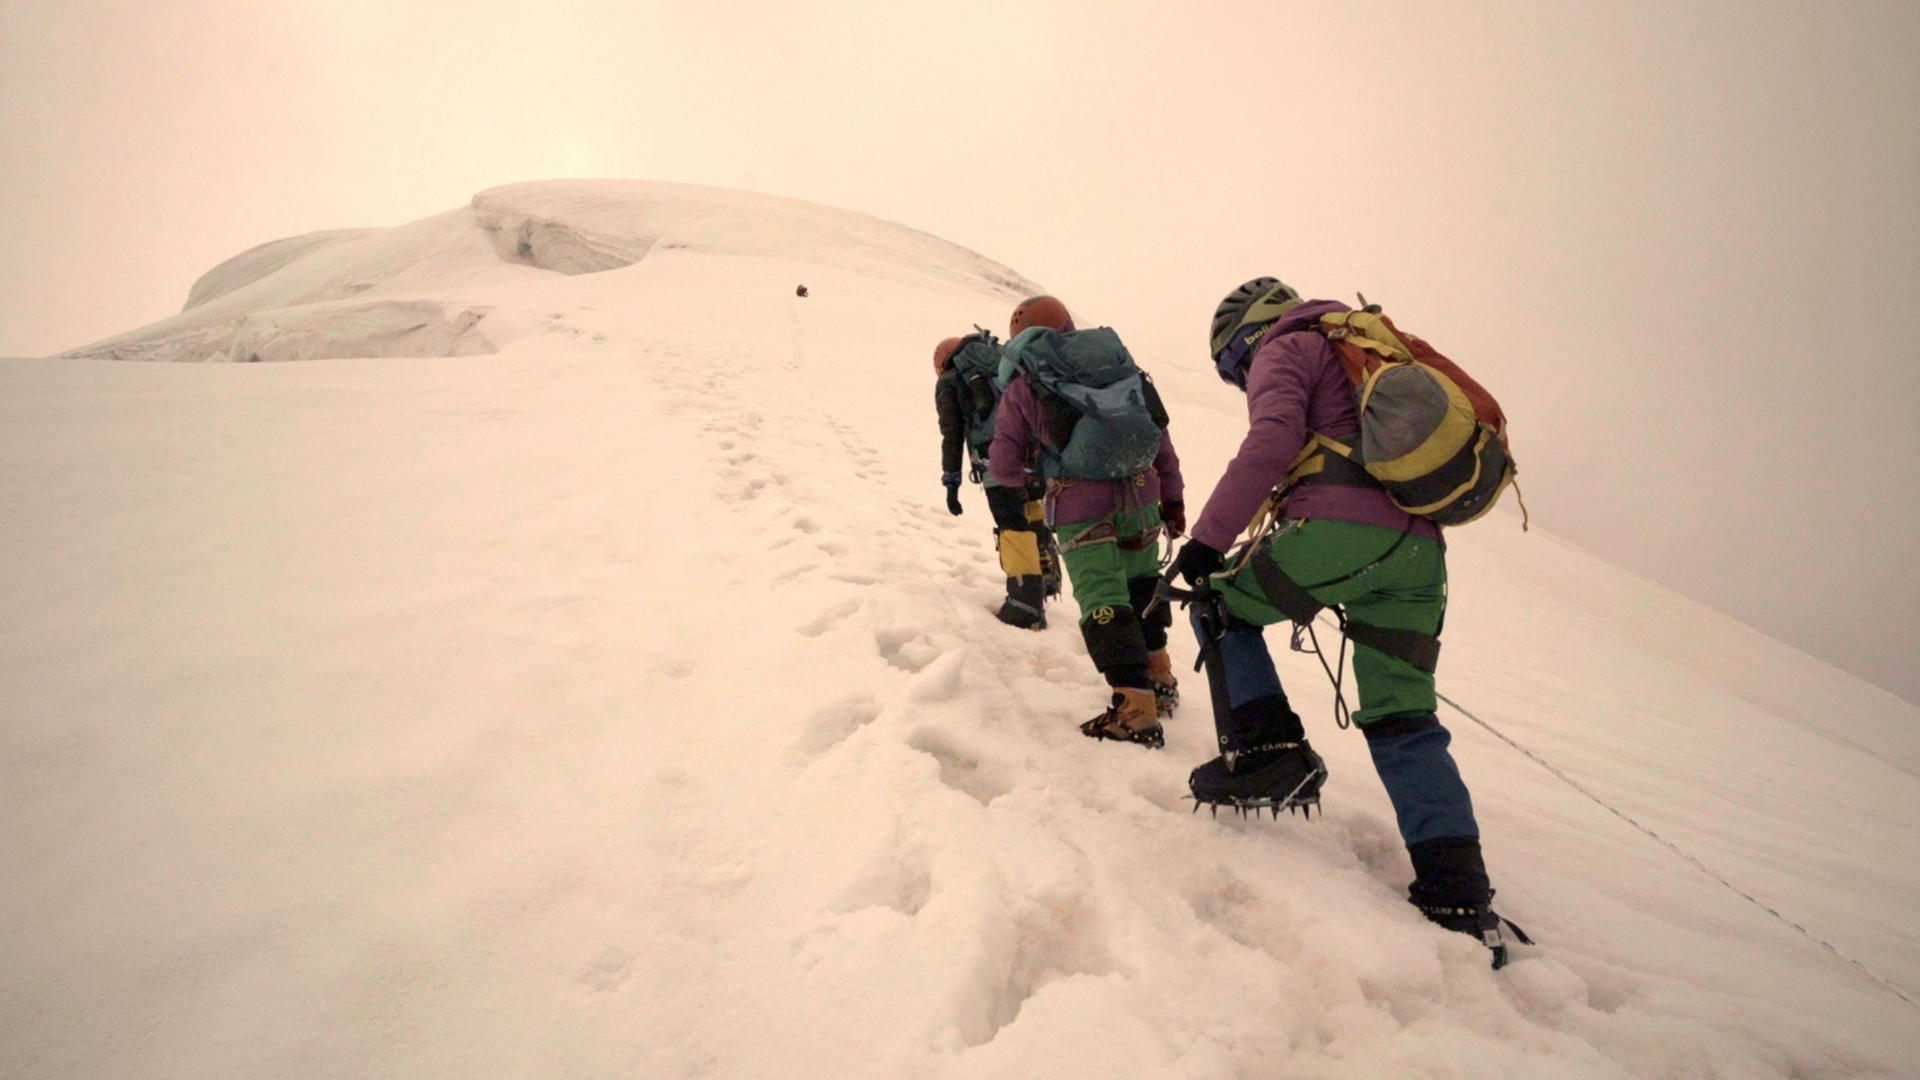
1279, 384
1015, 426
1167, 465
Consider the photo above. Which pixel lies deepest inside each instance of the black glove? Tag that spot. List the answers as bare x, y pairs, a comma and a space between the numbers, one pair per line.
1195, 561
1173, 514
952, 480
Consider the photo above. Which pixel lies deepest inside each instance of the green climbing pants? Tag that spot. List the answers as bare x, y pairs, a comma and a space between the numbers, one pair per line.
1103, 556
1359, 568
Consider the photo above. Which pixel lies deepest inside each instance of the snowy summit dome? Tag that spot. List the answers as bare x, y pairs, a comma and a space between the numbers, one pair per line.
391, 291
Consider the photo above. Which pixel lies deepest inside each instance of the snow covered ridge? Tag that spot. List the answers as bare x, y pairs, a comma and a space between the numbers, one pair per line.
406, 290
257, 262
581, 226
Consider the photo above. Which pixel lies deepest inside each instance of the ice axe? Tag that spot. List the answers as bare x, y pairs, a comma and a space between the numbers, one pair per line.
1210, 621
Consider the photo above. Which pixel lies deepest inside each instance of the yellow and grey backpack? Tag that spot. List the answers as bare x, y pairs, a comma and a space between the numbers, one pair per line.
1429, 434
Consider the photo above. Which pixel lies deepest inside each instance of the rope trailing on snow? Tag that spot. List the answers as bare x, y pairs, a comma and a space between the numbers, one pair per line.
1884, 982
1863, 969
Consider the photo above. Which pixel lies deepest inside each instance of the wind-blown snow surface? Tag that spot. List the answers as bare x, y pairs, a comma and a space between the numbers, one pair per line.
625, 703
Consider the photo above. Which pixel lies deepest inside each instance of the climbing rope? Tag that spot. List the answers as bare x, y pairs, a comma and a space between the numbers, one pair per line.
1863, 969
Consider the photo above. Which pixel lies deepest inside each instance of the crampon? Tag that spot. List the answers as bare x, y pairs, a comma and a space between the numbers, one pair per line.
1287, 776
1166, 698
1254, 806
1109, 726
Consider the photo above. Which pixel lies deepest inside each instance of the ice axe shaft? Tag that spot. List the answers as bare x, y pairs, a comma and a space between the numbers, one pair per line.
1210, 617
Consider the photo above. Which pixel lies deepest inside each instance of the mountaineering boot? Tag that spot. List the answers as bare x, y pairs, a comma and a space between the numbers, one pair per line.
1450, 888
1024, 605
1272, 777
1130, 718
1479, 921
1166, 688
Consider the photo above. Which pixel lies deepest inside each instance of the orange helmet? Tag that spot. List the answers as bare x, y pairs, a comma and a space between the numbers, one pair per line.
1040, 311
942, 351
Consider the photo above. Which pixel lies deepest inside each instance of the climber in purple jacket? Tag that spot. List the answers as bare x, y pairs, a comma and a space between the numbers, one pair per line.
1339, 542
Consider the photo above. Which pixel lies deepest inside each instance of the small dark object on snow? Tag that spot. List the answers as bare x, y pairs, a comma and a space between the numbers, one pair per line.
801, 291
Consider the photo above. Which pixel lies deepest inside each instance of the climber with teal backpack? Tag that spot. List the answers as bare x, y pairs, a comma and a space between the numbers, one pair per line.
1080, 412
1362, 442
966, 395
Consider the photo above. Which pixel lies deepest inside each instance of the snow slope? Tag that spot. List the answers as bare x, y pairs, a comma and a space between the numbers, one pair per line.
623, 702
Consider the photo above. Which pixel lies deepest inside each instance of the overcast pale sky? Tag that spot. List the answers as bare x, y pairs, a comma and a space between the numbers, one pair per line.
1680, 240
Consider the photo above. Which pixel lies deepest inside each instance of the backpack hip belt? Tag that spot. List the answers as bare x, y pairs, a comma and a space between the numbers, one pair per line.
1319, 463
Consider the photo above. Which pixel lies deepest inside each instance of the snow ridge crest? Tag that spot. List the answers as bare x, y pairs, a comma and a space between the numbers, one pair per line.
384, 292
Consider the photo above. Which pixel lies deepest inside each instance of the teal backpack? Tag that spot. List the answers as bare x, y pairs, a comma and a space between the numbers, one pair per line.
976, 363
1103, 416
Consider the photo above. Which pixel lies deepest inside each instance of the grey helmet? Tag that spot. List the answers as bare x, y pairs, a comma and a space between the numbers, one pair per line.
1261, 300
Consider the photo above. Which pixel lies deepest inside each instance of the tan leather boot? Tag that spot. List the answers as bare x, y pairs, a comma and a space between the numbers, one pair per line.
1166, 688
1130, 718
1135, 708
